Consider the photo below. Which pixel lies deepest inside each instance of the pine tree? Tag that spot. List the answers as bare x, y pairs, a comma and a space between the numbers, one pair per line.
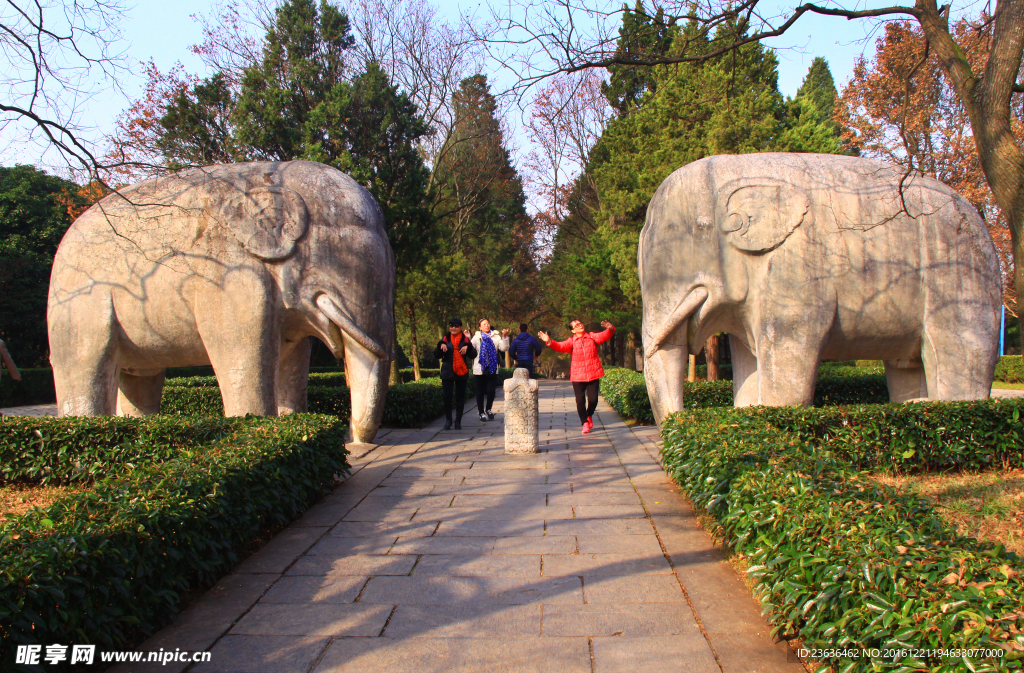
304, 62
641, 35
197, 128
809, 123
483, 205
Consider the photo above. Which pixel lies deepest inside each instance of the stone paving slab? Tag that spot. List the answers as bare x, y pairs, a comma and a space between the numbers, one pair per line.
440, 553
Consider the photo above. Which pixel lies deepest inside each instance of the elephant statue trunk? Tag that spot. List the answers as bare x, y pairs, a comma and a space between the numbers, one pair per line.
667, 349
366, 372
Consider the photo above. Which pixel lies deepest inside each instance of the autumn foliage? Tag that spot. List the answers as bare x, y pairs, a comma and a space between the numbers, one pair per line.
900, 108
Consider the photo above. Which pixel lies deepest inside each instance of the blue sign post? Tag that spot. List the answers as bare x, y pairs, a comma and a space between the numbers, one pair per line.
1002, 330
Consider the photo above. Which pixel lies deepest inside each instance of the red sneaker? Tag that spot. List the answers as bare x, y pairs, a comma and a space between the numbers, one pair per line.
586, 428
590, 423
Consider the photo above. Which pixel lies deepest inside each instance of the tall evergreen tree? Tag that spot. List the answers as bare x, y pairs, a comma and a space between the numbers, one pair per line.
483, 205
809, 123
304, 62
197, 126
641, 35
34, 214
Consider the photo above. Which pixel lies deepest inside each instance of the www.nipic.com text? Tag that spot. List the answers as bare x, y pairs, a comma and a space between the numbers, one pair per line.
86, 654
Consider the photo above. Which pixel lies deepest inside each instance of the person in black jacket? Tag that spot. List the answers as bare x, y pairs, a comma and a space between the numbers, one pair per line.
524, 349
456, 353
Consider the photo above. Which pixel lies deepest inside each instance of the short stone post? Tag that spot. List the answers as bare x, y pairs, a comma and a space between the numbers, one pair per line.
521, 435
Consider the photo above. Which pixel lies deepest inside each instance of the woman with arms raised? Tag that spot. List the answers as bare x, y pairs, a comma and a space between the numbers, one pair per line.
586, 371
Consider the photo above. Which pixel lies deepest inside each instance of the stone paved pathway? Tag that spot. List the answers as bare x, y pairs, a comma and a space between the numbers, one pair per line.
440, 553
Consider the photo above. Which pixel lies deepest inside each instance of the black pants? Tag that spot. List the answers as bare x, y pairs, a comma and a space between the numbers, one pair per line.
586, 398
486, 384
525, 364
458, 386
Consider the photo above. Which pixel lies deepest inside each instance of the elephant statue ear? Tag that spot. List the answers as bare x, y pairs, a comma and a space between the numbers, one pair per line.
757, 215
267, 221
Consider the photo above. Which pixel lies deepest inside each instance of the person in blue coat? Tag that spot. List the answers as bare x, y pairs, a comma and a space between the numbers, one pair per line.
525, 349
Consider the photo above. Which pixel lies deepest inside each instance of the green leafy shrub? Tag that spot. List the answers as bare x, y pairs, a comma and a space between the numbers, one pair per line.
914, 437
1010, 369
35, 387
406, 405
724, 372
840, 561
109, 565
626, 392
84, 449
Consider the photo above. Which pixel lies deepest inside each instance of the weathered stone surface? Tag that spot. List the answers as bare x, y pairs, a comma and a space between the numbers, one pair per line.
801, 257
521, 434
236, 266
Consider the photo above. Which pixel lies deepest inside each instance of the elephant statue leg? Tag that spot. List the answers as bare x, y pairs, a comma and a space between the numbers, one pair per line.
245, 359
960, 357
744, 373
293, 376
905, 379
788, 352
139, 394
85, 358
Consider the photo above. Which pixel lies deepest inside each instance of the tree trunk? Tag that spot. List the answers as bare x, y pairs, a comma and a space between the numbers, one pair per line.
711, 354
620, 351
629, 357
415, 343
691, 368
987, 97
394, 379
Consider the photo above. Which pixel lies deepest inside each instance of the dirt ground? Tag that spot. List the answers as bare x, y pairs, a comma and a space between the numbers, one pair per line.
988, 505
20, 498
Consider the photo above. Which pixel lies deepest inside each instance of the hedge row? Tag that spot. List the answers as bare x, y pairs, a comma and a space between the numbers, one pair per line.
626, 392
84, 449
920, 437
1010, 368
841, 562
406, 405
109, 565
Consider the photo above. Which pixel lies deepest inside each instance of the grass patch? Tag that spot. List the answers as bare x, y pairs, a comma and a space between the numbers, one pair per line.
988, 505
1003, 385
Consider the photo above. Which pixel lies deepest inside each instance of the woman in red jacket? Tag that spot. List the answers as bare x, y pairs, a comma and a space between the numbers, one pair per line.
585, 371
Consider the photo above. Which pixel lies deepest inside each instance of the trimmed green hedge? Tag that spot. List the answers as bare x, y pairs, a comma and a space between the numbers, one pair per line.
626, 392
85, 449
840, 561
406, 405
1010, 368
109, 565
916, 437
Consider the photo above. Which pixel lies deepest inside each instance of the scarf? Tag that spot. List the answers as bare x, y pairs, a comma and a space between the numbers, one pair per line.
488, 355
458, 363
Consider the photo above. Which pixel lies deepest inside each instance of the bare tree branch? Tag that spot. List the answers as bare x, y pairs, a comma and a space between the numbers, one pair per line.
54, 57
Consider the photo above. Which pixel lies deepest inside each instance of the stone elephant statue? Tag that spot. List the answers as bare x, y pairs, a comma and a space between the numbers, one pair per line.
236, 266
801, 257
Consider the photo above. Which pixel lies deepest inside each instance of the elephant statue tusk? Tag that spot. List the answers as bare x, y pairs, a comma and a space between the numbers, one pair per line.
338, 317
683, 311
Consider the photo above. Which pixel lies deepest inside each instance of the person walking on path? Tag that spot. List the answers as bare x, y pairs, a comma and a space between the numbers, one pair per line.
524, 349
454, 351
585, 370
485, 366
